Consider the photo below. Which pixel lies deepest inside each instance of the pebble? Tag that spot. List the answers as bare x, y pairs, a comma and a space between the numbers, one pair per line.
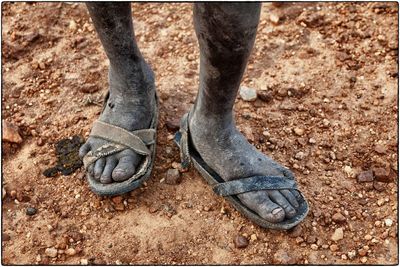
119, 207
334, 247
380, 202
70, 252
117, 199
173, 177
10, 133
248, 94
298, 131
240, 241
388, 222
274, 18
84, 262
364, 259
314, 247
338, 234
338, 218
253, 237
4, 193
300, 155
351, 254
89, 88
380, 149
383, 175
265, 96
51, 252
31, 211
282, 257
312, 141
367, 237
365, 176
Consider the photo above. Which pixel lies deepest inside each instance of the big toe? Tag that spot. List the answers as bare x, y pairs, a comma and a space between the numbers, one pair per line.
126, 167
260, 202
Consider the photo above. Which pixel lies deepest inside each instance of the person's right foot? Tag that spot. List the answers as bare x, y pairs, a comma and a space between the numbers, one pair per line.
129, 106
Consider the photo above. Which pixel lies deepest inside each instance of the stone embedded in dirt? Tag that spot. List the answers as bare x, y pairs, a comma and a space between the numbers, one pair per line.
311, 239
379, 186
240, 241
264, 95
300, 155
10, 133
172, 124
312, 141
380, 149
351, 254
173, 177
31, 211
338, 217
338, 234
298, 131
119, 206
334, 247
274, 18
388, 222
51, 252
282, 257
84, 262
4, 193
70, 252
117, 199
248, 94
296, 231
253, 237
365, 176
89, 88
5, 237
385, 175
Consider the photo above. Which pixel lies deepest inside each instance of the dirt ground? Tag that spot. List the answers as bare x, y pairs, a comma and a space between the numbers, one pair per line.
327, 74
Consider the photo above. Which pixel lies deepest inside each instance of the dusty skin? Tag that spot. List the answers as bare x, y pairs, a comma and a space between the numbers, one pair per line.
329, 75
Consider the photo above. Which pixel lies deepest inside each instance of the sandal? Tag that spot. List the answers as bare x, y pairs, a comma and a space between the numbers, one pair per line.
229, 189
143, 142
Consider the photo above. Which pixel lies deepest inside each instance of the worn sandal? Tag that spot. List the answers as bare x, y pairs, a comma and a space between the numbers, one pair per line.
229, 189
143, 142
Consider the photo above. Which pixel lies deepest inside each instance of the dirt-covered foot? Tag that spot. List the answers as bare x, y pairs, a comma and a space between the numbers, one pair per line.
228, 153
129, 106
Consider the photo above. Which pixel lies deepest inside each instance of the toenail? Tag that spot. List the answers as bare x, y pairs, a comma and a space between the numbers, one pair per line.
276, 211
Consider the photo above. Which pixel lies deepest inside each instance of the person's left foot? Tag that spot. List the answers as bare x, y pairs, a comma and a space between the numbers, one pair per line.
228, 153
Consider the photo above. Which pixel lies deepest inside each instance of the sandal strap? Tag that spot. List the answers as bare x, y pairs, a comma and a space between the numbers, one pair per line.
254, 183
135, 140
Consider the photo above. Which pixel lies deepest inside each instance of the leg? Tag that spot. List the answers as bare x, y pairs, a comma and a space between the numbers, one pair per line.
131, 87
226, 34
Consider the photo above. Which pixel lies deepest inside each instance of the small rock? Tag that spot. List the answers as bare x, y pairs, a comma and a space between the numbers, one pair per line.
282, 257
296, 231
10, 133
300, 155
365, 176
314, 247
334, 247
4, 193
351, 254
378, 186
380, 202
70, 252
84, 262
51, 252
253, 237
380, 149
368, 237
117, 199
312, 141
265, 96
338, 234
383, 175
338, 218
173, 177
274, 18
388, 222
72, 25
248, 132
5, 237
364, 259
119, 207
248, 94
31, 211
241, 241
298, 131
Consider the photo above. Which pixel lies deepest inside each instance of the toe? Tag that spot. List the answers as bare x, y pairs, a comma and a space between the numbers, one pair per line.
280, 199
90, 169
98, 168
84, 149
126, 167
111, 162
290, 197
262, 204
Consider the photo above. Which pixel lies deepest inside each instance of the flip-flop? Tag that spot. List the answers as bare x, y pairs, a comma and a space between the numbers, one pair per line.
143, 142
229, 189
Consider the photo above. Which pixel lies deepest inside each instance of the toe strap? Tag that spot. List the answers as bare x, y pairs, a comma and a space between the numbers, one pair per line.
101, 152
254, 183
